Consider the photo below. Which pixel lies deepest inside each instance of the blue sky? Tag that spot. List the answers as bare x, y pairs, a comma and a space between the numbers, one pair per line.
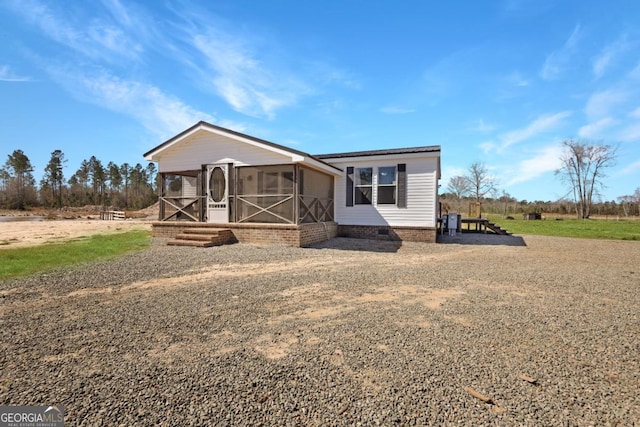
502, 82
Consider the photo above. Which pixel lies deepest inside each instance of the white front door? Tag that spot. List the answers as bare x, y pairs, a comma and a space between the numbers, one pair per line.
218, 193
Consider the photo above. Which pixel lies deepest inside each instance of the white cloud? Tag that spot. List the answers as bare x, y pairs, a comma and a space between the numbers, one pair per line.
609, 54
558, 60
595, 129
635, 113
394, 109
601, 63
481, 126
540, 125
488, 147
544, 161
250, 85
600, 104
635, 73
630, 169
630, 133
6, 75
161, 113
97, 39
516, 79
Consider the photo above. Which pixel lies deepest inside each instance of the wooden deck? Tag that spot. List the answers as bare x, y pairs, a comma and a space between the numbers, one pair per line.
476, 225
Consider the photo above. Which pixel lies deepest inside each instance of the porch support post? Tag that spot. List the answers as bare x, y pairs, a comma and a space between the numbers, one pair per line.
201, 191
162, 191
296, 194
234, 170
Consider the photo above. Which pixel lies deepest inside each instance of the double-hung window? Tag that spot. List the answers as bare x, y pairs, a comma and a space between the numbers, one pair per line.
383, 185
387, 185
364, 186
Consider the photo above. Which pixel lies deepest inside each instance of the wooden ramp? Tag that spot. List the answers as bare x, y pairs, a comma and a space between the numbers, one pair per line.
203, 237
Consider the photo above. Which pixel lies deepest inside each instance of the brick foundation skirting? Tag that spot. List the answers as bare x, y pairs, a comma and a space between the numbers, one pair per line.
409, 234
268, 234
301, 235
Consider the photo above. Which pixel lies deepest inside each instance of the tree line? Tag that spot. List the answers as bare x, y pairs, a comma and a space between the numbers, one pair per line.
120, 186
506, 205
582, 170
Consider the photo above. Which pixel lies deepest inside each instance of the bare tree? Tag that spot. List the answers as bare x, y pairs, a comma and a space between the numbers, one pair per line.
480, 181
459, 186
583, 166
627, 202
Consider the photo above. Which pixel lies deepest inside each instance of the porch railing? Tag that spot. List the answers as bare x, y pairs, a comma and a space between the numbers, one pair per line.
185, 208
250, 206
258, 203
315, 209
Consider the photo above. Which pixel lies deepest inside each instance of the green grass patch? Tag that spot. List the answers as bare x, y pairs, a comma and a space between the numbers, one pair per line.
25, 261
623, 229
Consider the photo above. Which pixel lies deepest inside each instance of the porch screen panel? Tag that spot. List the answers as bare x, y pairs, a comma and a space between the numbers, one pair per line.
180, 199
316, 196
265, 194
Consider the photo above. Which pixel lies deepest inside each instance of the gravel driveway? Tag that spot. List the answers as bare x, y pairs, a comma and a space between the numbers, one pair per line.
474, 331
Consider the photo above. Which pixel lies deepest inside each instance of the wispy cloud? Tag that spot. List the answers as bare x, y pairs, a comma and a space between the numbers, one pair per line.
635, 113
596, 128
542, 124
245, 81
395, 109
601, 103
630, 133
488, 146
482, 127
558, 60
631, 168
516, 79
545, 160
328, 74
605, 59
95, 38
162, 114
6, 75
635, 73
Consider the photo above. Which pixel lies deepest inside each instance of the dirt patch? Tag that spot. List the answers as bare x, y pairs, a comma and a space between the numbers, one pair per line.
17, 234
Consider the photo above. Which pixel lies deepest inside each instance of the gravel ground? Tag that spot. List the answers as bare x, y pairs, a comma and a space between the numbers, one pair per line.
481, 330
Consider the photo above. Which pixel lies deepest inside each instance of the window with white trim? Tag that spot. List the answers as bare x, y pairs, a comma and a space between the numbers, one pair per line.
363, 186
387, 185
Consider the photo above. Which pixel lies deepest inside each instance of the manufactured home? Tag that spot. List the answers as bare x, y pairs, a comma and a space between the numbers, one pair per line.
214, 179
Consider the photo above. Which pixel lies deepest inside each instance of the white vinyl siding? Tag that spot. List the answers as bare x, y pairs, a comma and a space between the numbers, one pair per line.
189, 186
209, 148
421, 193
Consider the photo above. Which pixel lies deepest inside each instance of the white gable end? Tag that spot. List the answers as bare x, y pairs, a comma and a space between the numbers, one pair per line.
205, 147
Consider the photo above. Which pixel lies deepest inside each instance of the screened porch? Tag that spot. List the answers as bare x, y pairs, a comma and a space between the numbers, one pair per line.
273, 194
